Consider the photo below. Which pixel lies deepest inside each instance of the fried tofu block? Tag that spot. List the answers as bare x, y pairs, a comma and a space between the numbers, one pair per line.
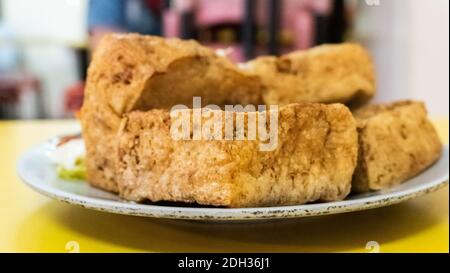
326, 74
133, 72
396, 142
314, 159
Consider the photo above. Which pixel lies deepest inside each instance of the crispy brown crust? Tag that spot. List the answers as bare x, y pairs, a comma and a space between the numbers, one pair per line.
326, 74
134, 72
396, 142
314, 160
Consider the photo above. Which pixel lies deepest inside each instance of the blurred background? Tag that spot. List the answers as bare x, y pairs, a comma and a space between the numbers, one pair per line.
45, 45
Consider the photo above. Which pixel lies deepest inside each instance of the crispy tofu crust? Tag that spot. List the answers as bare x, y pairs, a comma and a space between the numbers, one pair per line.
133, 72
130, 72
396, 142
314, 160
326, 74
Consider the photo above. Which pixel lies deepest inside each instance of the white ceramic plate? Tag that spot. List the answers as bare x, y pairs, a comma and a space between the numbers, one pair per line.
39, 173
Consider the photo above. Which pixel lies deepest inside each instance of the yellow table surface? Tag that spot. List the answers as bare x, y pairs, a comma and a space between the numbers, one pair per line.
30, 222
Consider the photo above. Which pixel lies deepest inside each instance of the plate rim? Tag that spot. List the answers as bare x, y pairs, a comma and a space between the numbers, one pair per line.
224, 214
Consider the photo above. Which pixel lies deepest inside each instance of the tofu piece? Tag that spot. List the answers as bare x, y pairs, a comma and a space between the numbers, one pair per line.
327, 74
133, 72
396, 142
314, 160
130, 72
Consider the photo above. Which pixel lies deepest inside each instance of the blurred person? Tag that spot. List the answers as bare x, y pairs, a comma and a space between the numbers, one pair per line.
218, 23
106, 16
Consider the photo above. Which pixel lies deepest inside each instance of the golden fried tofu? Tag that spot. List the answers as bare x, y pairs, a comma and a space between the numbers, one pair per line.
130, 72
396, 142
314, 159
326, 74
133, 72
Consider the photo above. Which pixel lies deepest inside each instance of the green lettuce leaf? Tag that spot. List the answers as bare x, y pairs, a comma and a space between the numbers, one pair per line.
77, 173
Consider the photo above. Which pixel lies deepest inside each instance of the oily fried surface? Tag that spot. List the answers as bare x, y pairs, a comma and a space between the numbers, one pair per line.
326, 74
314, 160
397, 142
131, 71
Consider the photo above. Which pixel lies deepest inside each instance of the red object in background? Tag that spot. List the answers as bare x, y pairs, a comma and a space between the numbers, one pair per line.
155, 6
12, 86
171, 22
9, 91
20, 96
73, 98
211, 13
